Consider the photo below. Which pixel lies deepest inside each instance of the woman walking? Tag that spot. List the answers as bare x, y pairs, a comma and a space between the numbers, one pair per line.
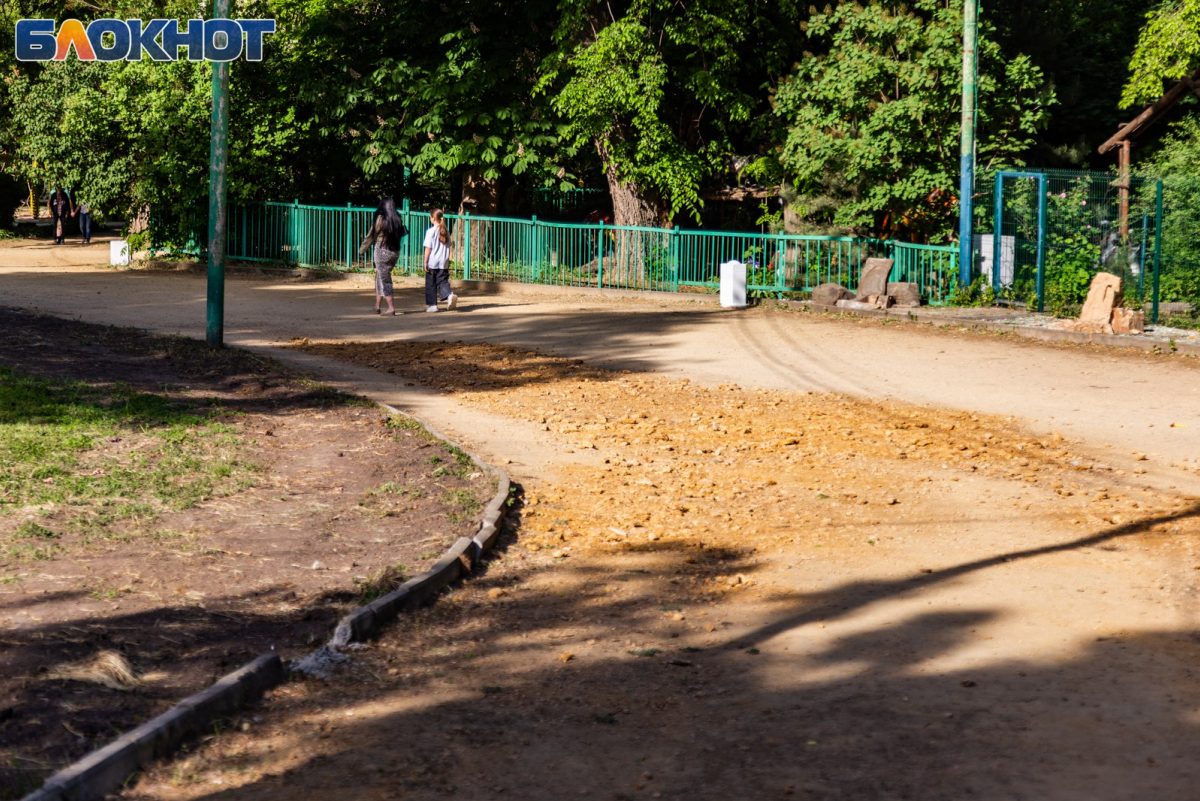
59, 207
84, 212
437, 264
385, 235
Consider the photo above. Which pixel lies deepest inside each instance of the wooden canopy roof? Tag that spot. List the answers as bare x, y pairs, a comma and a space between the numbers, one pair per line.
1153, 113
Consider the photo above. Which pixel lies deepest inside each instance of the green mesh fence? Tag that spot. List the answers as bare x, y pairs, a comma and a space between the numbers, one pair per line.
1042, 236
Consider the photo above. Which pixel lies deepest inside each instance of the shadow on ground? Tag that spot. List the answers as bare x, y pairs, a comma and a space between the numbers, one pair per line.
475, 699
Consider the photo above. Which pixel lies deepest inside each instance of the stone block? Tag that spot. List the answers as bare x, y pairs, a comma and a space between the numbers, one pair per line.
1103, 296
907, 295
857, 305
830, 294
874, 278
1127, 321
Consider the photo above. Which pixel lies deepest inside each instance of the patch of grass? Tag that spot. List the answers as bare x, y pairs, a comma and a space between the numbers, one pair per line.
460, 456
468, 505
109, 454
30, 530
492, 690
381, 582
607, 720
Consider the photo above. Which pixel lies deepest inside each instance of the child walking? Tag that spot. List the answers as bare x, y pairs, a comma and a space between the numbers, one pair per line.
384, 236
437, 264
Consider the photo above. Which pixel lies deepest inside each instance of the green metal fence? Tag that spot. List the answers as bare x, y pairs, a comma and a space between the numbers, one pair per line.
1043, 235
583, 255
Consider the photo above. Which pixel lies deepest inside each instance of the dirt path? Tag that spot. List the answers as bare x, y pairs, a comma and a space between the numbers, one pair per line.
1126, 400
727, 587
747, 594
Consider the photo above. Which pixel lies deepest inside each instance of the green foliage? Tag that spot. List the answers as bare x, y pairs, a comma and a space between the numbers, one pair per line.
1078, 45
614, 101
873, 118
1177, 164
67, 137
1168, 48
663, 91
978, 293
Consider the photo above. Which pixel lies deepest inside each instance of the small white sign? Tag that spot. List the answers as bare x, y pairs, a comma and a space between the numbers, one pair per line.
733, 285
118, 252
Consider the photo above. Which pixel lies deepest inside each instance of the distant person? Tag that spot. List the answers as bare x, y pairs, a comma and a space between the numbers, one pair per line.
59, 207
385, 235
437, 264
84, 212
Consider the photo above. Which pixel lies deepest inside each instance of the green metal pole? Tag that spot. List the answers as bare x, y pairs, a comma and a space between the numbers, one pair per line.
217, 211
1158, 239
349, 237
675, 260
966, 190
466, 246
599, 254
1043, 184
1142, 259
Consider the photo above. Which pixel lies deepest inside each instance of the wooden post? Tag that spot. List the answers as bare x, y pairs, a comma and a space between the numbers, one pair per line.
1125, 184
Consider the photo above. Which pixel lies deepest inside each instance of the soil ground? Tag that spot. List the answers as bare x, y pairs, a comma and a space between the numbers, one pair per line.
698, 603
185, 595
753, 594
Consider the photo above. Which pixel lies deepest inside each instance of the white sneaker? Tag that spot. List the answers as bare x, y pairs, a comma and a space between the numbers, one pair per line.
451, 302
431, 308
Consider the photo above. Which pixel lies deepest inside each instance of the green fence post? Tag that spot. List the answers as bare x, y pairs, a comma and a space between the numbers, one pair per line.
998, 234
1158, 238
294, 232
1142, 259
1043, 184
599, 252
535, 250
349, 236
407, 223
466, 258
675, 260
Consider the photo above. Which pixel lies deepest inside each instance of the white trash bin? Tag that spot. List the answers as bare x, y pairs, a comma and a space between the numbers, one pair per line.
733, 285
118, 252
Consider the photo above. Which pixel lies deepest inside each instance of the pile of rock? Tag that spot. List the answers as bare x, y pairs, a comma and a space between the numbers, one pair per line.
1102, 311
874, 290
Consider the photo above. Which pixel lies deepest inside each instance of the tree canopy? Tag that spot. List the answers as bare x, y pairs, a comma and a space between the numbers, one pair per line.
852, 107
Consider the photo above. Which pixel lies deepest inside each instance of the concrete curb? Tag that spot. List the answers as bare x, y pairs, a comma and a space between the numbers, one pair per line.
103, 771
1041, 334
461, 559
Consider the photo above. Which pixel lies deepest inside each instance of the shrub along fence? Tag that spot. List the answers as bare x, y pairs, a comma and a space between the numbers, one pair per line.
1043, 235
583, 255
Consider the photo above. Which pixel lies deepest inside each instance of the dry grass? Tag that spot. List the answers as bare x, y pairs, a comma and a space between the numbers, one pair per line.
107, 668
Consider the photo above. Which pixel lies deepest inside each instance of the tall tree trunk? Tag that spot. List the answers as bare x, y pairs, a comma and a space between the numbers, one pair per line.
632, 206
480, 196
791, 225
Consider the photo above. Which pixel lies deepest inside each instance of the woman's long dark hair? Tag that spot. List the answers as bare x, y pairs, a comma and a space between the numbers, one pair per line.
388, 225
